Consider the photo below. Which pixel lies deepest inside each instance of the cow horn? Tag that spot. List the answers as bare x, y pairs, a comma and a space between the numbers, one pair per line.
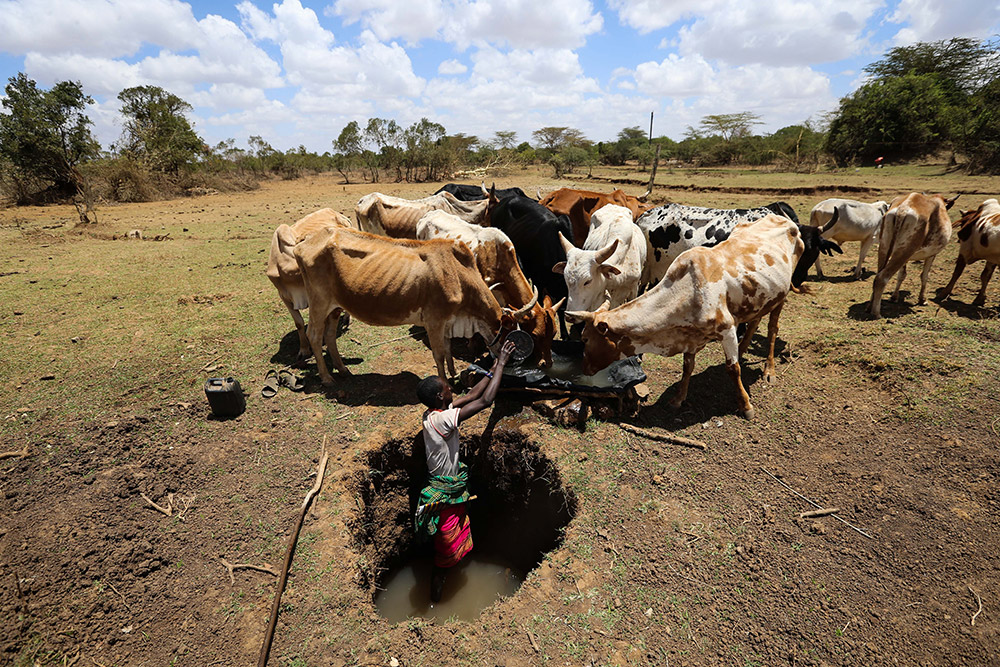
483, 187
558, 305
567, 246
539, 191
604, 253
495, 285
523, 310
646, 194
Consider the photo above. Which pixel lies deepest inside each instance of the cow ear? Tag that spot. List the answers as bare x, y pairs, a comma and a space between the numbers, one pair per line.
608, 270
559, 268
604, 306
602, 327
948, 203
829, 247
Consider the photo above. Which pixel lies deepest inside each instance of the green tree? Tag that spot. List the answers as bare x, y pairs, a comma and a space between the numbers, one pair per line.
347, 149
551, 138
962, 62
980, 140
504, 139
900, 118
45, 134
156, 131
729, 126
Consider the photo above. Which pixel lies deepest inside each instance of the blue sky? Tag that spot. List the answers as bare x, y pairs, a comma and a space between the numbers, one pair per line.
296, 71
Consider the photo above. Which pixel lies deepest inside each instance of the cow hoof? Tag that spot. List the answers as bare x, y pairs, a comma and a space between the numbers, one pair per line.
770, 377
749, 413
328, 384
979, 303
675, 403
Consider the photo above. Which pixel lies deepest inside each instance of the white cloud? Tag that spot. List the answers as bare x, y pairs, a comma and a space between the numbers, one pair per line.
778, 32
108, 28
449, 67
412, 20
523, 24
931, 20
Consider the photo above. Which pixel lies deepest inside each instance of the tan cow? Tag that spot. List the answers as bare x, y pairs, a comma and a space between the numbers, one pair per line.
389, 282
704, 295
916, 227
397, 217
284, 272
497, 264
978, 238
579, 205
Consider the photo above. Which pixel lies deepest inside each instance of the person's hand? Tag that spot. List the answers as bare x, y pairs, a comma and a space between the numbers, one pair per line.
505, 352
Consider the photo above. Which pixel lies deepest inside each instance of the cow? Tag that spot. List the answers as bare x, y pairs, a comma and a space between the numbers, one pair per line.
673, 228
396, 217
389, 282
283, 270
704, 295
611, 261
978, 238
856, 221
476, 192
497, 264
916, 227
534, 230
579, 205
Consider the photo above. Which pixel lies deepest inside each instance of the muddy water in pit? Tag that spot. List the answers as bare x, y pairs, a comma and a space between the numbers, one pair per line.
471, 586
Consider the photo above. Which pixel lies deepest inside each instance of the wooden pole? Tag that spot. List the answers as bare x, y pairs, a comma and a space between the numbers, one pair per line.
265, 649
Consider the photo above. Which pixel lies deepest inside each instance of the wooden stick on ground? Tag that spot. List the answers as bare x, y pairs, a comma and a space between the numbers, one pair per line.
265, 649
813, 514
817, 506
534, 644
245, 566
168, 510
415, 336
21, 453
673, 439
980, 601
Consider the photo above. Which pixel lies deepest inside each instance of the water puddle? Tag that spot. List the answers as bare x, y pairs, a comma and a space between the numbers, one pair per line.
471, 586
571, 369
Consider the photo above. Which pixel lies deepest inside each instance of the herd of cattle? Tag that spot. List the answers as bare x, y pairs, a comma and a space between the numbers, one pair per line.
638, 278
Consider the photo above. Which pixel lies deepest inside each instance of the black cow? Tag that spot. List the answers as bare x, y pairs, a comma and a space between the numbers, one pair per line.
476, 192
534, 231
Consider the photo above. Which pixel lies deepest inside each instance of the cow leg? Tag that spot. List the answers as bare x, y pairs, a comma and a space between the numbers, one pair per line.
731, 347
682, 391
447, 355
772, 335
901, 276
945, 291
332, 320
924, 274
440, 347
865, 247
316, 332
819, 269
300, 327
985, 279
747, 335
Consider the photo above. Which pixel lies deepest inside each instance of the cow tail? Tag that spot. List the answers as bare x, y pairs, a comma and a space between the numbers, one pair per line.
888, 243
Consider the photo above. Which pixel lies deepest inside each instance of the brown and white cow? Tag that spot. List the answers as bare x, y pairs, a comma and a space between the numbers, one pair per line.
389, 282
580, 205
916, 227
283, 270
397, 217
498, 265
705, 294
978, 238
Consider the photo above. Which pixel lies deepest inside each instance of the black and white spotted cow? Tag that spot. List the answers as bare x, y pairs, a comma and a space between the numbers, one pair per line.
674, 228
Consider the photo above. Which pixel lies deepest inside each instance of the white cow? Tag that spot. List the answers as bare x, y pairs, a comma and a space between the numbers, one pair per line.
856, 221
397, 217
610, 264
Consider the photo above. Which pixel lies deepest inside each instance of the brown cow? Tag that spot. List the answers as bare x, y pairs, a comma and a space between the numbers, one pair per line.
284, 272
978, 238
389, 282
704, 295
497, 264
916, 227
579, 205
397, 217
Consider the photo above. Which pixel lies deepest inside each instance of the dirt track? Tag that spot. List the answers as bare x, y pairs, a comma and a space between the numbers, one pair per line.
673, 554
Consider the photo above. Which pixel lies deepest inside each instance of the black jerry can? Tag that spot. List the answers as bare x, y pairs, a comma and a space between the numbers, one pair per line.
226, 397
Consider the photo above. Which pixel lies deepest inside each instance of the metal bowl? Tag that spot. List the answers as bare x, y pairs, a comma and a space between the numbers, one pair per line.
523, 345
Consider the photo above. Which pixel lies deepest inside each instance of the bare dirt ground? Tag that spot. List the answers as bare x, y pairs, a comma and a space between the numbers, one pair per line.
673, 556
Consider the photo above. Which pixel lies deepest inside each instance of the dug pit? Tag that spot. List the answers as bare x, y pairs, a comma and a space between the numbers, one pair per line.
518, 516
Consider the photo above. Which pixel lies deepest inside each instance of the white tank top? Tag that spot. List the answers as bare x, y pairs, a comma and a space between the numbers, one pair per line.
441, 441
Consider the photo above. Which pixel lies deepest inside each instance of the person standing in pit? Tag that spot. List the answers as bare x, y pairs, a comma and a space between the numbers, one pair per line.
441, 509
